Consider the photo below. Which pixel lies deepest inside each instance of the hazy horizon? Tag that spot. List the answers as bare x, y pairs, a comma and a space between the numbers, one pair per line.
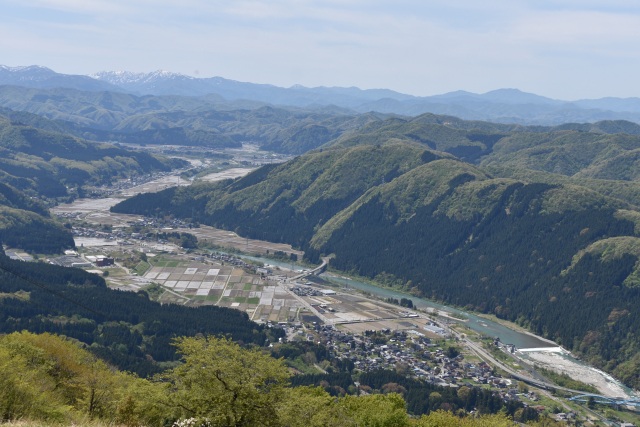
564, 50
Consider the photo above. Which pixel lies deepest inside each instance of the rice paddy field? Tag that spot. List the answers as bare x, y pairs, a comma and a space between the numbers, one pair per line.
226, 286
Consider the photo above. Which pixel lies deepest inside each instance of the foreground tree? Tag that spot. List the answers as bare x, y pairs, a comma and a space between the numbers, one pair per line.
225, 384
50, 378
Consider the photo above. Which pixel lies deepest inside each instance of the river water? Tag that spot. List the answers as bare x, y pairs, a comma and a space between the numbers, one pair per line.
476, 323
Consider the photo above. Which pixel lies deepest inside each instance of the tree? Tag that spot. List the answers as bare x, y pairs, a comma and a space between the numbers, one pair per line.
375, 410
226, 384
522, 387
452, 352
447, 419
47, 377
308, 407
464, 392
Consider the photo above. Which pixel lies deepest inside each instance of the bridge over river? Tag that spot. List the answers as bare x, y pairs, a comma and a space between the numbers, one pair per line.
604, 400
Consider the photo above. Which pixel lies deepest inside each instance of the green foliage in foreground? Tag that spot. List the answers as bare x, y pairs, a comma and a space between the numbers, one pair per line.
124, 328
51, 380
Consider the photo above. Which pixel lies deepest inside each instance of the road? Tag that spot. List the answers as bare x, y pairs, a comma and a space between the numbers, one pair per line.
316, 270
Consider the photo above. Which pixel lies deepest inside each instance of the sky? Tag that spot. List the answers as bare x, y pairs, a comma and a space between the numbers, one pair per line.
565, 49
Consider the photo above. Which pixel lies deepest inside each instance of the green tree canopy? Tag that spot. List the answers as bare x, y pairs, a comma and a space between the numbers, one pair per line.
226, 384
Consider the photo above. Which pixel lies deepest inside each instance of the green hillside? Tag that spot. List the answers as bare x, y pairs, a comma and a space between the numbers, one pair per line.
303, 193
125, 328
47, 163
571, 153
38, 165
448, 230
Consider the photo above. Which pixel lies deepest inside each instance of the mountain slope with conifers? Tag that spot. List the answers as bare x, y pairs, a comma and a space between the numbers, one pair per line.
126, 329
422, 220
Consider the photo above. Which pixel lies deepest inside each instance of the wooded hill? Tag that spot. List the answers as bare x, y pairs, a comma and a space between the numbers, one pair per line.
41, 164
124, 328
213, 122
559, 255
196, 121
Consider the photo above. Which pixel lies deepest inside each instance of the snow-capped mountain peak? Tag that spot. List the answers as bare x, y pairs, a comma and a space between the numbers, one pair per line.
125, 78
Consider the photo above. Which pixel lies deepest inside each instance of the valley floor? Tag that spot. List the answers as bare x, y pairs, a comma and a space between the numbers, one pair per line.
248, 293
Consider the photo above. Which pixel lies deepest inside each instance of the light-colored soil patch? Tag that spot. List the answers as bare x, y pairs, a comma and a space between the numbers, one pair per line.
228, 239
156, 185
586, 374
86, 205
227, 174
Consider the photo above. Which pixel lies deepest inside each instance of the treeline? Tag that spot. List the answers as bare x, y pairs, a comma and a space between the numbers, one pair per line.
185, 240
124, 328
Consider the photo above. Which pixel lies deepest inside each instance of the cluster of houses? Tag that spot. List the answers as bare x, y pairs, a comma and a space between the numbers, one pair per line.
415, 354
235, 261
421, 356
306, 291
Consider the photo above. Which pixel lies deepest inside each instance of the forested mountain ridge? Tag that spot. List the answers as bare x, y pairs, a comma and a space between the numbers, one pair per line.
601, 156
107, 116
572, 153
423, 220
213, 122
38, 165
47, 163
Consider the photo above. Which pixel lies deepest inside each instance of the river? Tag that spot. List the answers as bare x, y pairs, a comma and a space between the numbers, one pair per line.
476, 323
479, 324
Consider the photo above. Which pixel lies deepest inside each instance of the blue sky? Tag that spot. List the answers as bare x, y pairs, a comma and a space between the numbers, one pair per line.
562, 49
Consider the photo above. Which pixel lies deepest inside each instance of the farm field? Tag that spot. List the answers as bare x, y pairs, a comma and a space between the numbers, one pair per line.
224, 285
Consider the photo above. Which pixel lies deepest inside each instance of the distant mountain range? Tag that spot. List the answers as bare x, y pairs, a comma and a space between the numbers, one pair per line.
502, 105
